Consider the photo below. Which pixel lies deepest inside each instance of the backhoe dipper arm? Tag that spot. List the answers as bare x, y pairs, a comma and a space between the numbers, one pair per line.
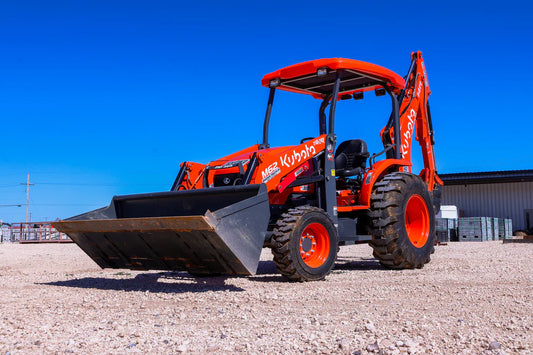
414, 113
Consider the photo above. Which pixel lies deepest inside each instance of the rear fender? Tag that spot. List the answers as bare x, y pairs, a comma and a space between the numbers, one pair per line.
373, 175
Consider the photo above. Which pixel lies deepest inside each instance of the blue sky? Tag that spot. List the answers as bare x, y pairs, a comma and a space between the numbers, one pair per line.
99, 98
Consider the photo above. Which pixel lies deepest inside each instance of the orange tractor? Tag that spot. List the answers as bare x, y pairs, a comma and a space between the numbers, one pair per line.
303, 201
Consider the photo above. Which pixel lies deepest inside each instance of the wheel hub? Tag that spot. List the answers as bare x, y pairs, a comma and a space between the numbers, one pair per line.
314, 245
307, 243
417, 222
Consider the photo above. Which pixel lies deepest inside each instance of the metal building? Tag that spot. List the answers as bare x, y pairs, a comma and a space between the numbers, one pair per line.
502, 194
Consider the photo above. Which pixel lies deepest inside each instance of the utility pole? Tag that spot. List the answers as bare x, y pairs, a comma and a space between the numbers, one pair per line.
27, 195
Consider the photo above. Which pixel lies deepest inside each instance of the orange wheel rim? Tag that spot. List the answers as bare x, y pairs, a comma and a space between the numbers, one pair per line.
417, 221
314, 245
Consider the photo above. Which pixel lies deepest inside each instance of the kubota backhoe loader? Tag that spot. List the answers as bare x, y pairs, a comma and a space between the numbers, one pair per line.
302, 201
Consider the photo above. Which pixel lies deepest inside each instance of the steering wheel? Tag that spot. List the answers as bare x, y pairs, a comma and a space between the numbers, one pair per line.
306, 139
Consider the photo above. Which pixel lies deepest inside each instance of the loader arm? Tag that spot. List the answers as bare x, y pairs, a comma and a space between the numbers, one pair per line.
415, 114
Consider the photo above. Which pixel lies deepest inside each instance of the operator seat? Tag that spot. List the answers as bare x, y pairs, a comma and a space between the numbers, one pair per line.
350, 158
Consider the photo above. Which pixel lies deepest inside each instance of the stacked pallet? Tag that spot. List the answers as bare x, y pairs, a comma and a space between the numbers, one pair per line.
446, 229
473, 229
5, 234
505, 228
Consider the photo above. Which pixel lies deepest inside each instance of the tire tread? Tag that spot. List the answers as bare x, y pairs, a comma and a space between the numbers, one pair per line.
386, 220
280, 245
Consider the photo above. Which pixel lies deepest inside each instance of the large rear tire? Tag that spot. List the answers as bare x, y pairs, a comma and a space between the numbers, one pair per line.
402, 221
304, 244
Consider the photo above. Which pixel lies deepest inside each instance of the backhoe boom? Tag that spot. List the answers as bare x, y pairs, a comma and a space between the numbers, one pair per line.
415, 114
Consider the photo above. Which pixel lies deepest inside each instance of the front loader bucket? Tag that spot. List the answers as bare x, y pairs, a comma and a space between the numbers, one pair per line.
215, 230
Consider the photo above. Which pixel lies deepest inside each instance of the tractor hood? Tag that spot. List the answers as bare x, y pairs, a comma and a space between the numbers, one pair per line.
273, 164
245, 155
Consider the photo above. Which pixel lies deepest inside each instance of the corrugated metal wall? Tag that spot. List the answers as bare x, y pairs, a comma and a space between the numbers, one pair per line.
503, 200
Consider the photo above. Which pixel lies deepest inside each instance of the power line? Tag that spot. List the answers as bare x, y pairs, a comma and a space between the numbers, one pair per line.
82, 184
73, 184
92, 184
66, 204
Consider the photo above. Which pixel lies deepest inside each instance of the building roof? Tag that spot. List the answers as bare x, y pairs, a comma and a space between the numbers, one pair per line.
488, 177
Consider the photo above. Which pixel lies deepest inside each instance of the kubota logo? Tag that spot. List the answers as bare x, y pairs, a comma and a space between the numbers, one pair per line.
289, 160
419, 89
409, 133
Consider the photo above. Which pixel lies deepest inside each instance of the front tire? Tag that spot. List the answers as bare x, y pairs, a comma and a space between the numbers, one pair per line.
403, 221
304, 244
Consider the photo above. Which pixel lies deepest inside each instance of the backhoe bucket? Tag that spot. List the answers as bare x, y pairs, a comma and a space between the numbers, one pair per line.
214, 230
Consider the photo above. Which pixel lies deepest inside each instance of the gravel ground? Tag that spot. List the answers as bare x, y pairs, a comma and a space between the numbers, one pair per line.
472, 298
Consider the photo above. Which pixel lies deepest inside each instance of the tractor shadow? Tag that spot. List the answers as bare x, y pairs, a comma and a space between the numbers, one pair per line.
353, 264
161, 282
181, 282
267, 272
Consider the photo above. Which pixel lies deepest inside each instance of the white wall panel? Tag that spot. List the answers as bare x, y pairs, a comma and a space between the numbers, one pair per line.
503, 200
